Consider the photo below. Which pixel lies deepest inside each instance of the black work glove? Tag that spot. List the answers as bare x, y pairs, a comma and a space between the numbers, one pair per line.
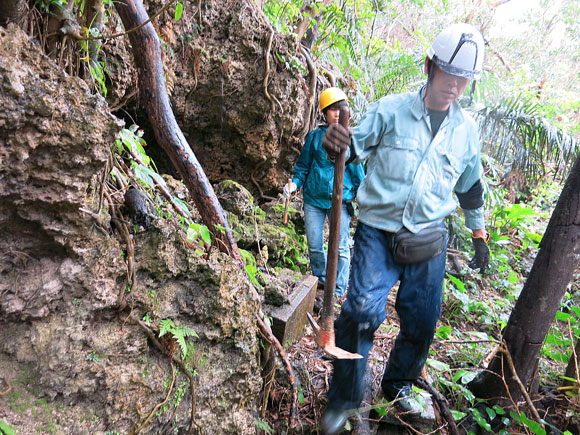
335, 140
481, 259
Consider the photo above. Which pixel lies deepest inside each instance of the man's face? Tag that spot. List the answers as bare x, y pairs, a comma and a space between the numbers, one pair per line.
332, 116
444, 89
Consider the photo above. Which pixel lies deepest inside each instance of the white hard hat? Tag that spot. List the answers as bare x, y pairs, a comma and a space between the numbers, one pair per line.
458, 50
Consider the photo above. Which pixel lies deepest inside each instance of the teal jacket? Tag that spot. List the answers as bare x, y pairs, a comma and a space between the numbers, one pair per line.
315, 173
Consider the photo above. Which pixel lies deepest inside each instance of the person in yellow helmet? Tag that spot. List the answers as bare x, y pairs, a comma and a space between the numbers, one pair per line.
314, 172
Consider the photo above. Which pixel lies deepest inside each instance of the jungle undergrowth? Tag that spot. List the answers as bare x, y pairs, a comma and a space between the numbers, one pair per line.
475, 310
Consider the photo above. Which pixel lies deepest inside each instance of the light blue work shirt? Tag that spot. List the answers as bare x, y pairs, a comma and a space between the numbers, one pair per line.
410, 175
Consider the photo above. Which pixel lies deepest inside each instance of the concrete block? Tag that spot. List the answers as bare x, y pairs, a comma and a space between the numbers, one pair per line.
288, 320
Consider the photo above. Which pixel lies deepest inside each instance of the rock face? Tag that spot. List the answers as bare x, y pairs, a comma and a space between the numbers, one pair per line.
220, 74
62, 271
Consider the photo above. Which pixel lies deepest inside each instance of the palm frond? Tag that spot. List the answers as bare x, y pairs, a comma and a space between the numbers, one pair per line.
514, 133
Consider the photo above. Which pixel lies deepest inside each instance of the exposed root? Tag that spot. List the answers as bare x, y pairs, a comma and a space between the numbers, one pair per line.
159, 405
6, 385
330, 77
252, 176
311, 91
271, 98
177, 361
272, 339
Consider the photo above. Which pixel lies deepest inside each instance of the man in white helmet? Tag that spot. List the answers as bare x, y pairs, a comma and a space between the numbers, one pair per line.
420, 148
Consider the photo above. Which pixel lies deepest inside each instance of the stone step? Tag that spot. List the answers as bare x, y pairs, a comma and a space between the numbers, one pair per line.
288, 320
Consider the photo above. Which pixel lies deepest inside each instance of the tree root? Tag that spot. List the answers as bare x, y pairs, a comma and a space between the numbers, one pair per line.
177, 361
272, 339
159, 405
258, 166
130, 279
271, 98
5, 383
311, 92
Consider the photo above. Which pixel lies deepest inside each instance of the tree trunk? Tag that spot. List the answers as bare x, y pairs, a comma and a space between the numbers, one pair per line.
153, 97
540, 298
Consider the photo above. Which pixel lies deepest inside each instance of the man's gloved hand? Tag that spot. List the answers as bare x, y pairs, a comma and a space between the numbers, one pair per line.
335, 140
288, 189
481, 259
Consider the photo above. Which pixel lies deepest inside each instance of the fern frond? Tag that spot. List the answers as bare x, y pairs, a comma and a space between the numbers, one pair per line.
165, 326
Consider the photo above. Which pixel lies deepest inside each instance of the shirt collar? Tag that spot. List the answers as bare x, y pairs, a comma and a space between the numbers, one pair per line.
419, 110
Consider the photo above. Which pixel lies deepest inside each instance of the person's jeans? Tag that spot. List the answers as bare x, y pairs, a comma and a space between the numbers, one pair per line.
315, 218
418, 305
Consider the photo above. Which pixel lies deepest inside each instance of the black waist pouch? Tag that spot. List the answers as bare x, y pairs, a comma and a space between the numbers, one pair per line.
408, 247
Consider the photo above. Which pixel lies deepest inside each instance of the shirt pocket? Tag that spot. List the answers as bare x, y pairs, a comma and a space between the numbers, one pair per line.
450, 170
397, 155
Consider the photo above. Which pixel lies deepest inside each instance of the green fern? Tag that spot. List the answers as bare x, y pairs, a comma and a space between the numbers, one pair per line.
179, 333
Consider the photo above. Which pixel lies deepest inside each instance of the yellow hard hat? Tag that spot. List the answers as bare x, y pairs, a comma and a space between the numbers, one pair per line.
330, 96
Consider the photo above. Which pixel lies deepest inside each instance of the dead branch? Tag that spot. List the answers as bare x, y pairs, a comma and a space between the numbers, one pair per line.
500, 57
572, 368
504, 349
443, 405
272, 338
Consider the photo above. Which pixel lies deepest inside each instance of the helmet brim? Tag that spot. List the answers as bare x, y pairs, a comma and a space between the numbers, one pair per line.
454, 71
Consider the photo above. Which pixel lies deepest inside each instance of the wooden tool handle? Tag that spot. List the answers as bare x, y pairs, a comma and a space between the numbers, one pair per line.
285, 220
327, 315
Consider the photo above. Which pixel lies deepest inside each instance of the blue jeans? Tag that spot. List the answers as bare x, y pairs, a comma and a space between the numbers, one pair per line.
418, 305
315, 218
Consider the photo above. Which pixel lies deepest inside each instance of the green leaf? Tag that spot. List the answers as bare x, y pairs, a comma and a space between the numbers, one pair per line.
457, 415
182, 344
498, 409
576, 310
6, 429
178, 11
443, 332
437, 365
205, 234
534, 426
563, 316
490, 413
515, 416
457, 283
165, 326
183, 206
465, 376
481, 421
